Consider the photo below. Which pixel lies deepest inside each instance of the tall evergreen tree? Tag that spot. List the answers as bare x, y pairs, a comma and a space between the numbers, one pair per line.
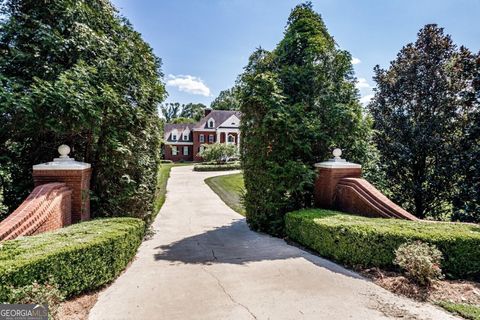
466, 71
298, 102
418, 117
76, 72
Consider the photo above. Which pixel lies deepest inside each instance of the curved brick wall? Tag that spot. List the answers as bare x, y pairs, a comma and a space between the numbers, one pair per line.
47, 208
358, 196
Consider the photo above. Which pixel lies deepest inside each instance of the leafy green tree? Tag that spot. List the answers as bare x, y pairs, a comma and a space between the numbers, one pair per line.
227, 100
76, 72
173, 110
466, 71
297, 103
182, 120
194, 111
218, 152
419, 124
170, 111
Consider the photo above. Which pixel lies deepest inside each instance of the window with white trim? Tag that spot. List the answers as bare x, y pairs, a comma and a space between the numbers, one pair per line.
210, 138
185, 137
202, 138
231, 139
185, 151
174, 150
211, 123
174, 137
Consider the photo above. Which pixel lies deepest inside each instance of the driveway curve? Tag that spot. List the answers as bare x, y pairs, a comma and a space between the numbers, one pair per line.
205, 263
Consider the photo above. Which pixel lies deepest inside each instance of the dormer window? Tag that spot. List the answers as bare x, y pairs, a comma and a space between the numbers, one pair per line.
174, 135
185, 137
211, 123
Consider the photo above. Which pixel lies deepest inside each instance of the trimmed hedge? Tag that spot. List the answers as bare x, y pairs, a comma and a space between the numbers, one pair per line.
81, 257
371, 242
217, 167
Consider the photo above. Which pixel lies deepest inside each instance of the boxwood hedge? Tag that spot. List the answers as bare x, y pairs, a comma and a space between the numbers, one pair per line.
217, 167
371, 242
81, 257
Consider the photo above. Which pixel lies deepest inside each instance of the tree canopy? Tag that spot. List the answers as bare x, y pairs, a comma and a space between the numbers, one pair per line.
190, 112
76, 72
227, 100
423, 122
297, 102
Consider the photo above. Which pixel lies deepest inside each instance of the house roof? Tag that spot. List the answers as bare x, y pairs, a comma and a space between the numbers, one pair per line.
219, 116
181, 127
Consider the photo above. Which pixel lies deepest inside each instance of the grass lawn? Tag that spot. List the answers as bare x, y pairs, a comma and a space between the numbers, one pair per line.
468, 311
230, 189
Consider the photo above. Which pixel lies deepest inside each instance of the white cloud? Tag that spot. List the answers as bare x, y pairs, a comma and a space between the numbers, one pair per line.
366, 99
188, 83
356, 60
362, 83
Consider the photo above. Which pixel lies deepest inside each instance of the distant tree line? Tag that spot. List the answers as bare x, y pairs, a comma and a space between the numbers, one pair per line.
174, 112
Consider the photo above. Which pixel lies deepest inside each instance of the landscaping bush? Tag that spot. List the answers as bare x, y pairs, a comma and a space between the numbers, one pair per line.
166, 161
218, 152
420, 261
371, 242
81, 257
217, 167
35, 293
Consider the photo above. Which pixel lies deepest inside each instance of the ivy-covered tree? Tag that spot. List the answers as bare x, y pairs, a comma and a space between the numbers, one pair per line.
76, 72
466, 71
227, 100
297, 103
419, 119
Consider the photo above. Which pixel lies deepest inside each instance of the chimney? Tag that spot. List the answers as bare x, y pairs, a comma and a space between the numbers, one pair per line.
207, 111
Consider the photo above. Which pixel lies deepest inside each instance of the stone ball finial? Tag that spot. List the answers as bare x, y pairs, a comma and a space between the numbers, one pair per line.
64, 151
337, 153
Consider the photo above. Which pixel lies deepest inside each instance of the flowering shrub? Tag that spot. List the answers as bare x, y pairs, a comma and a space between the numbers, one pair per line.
421, 261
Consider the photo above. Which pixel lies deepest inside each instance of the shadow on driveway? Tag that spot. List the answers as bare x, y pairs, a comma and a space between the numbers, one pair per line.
237, 244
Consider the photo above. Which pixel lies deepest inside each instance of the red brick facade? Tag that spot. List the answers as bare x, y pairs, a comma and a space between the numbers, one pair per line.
180, 156
47, 208
217, 126
78, 181
209, 137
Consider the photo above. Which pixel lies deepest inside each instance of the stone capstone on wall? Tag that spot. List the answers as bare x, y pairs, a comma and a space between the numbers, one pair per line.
339, 186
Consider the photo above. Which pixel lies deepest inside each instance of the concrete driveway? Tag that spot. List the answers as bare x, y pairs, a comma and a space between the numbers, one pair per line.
205, 263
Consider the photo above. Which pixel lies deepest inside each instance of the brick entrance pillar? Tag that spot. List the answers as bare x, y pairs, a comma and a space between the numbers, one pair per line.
76, 175
328, 175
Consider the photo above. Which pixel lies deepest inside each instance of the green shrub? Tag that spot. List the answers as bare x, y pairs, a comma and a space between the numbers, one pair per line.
371, 242
81, 257
217, 167
166, 161
218, 152
35, 293
421, 262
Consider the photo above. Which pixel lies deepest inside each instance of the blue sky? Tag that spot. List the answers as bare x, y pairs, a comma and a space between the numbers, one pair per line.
204, 44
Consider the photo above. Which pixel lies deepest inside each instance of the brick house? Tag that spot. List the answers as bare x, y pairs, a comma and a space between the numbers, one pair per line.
185, 141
